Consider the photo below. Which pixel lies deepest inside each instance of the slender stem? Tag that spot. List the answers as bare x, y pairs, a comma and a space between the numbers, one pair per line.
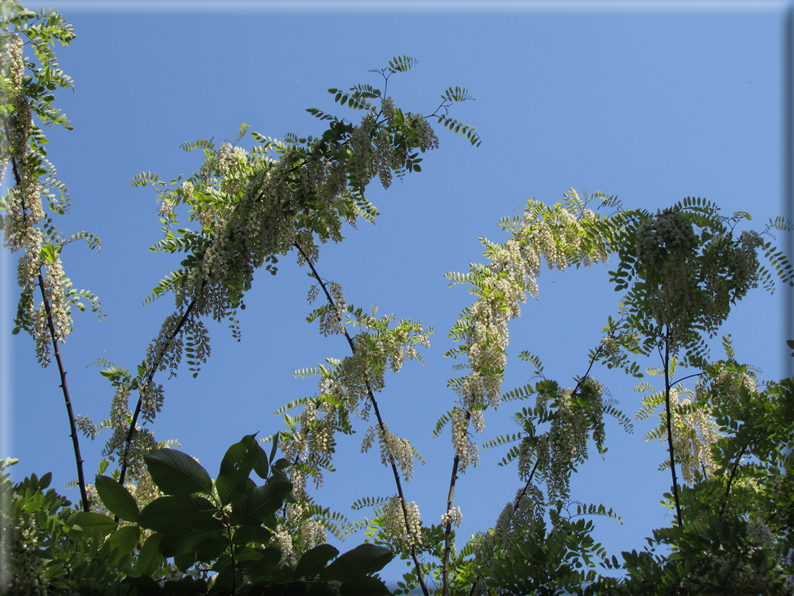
150, 376
670, 422
61, 370
395, 472
67, 399
448, 527
730, 479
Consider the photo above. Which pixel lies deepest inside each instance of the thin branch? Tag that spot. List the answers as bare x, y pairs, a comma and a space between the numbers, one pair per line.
382, 426
670, 423
67, 399
682, 379
730, 479
152, 370
61, 371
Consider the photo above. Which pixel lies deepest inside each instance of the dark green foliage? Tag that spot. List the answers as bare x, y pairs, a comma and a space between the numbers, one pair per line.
548, 563
228, 534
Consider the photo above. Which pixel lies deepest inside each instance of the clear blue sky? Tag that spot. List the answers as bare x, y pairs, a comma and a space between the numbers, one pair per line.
652, 102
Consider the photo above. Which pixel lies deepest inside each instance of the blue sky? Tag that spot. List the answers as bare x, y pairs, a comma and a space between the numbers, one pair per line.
650, 101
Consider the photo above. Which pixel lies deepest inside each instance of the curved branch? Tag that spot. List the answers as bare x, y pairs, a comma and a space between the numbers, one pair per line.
382, 426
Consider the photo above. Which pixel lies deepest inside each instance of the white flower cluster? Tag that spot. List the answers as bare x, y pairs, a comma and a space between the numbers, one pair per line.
694, 432
361, 143
310, 441
392, 448
404, 534
165, 351
143, 440
611, 346
151, 397
761, 536
387, 107
727, 385
300, 531
312, 534
120, 417
565, 444
309, 248
465, 449
452, 516
27, 571
284, 543
553, 233
24, 211
332, 319
427, 138
394, 346
355, 378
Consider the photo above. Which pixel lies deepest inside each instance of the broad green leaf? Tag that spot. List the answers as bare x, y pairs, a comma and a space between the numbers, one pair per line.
176, 473
199, 534
240, 459
176, 514
251, 535
263, 501
363, 560
45, 480
116, 498
93, 524
265, 566
149, 558
211, 547
185, 560
312, 562
125, 539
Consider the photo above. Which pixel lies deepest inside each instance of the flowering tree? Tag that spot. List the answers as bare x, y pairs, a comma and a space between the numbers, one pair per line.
159, 515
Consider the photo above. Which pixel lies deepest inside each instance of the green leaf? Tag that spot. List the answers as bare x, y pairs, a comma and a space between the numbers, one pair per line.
203, 533
176, 473
314, 561
236, 466
93, 524
252, 535
263, 501
125, 539
176, 514
363, 560
116, 498
149, 558
266, 565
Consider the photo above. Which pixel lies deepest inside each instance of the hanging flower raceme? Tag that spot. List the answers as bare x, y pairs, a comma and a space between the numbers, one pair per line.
404, 533
563, 235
